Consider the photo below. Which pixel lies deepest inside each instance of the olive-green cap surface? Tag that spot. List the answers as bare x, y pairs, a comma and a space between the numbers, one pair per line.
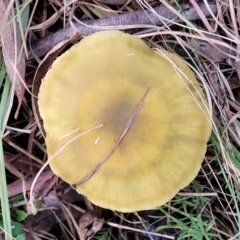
101, 80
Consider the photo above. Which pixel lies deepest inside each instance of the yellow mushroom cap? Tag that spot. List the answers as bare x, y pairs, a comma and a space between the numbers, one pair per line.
101, 80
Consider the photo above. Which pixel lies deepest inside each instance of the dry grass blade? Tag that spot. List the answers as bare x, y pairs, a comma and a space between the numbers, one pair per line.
114, 2
11, 47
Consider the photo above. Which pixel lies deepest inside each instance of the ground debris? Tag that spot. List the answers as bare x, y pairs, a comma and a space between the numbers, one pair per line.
89, 224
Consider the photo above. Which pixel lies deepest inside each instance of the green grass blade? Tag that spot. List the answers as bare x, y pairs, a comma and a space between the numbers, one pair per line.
3, 183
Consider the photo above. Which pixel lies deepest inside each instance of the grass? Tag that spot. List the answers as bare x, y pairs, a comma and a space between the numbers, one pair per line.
209, 207
6, 219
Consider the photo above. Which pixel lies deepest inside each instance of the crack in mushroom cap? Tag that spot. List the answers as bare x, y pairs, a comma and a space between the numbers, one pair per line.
101, 80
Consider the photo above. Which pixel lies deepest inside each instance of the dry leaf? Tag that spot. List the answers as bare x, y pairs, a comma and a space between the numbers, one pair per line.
89, 225
217, 52
234, 81
237, 68
11, 47
51, 201
236, 65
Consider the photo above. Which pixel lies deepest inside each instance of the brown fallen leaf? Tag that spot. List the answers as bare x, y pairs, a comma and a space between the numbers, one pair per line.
213, 52
218, 52
11, 47
89, 225
51, 201
234, 81
236, 65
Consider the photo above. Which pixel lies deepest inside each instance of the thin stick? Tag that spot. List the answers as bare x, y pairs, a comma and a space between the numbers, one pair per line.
138, 230
122, 21
128, 125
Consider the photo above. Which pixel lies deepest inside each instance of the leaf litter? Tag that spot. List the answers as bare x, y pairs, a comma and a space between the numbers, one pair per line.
12, 44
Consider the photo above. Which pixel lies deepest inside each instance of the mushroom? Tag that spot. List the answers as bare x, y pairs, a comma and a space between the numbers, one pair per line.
155, 121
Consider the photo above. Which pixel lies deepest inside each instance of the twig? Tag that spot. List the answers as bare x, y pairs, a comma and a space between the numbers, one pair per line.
138, 230
128, 125
15, 188
12, 144
159, 16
